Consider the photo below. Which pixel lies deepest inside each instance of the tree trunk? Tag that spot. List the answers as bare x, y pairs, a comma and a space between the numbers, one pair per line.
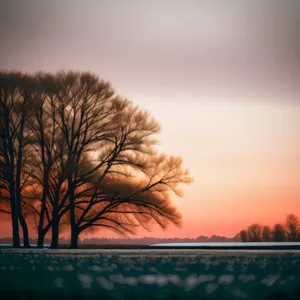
16, 234
40, 241
14, 209
55, 233
74, 239
41, 231
15, 224
73, 225
15, 220
25, 231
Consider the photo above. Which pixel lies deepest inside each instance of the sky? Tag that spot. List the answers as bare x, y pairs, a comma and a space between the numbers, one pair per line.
221, 77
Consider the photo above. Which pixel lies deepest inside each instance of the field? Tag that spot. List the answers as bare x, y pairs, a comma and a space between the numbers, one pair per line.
149, 274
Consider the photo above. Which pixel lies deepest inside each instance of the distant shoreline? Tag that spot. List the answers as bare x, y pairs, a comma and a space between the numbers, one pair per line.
177, 246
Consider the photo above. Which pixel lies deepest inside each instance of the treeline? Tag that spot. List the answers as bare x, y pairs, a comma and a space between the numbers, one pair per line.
76, 156
289, 231
132, 241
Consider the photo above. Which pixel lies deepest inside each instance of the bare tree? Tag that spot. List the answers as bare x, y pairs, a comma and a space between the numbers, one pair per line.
105, 136
244, 235
266, 234
279, 233
122, 204
292, 225
47, 171
77, 151
15, 108
254, 233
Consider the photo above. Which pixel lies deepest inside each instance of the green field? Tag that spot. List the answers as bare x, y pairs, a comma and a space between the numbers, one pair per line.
144, 274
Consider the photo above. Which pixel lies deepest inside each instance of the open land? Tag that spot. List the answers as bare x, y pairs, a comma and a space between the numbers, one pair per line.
149, 274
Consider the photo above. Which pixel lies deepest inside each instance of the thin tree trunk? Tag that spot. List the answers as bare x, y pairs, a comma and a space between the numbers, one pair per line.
55, 219
18, 182
16, 234
41, 235
14, 218
25, 231
40, 241
41, 231
74, 239
55, 233
73, 225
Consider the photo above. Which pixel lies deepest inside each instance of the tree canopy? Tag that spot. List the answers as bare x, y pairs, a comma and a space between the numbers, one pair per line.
74, 153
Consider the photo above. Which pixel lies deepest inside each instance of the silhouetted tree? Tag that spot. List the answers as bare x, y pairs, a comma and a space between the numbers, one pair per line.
104, 135
72, 149
85, 106
244, 236
279, 233
15, 108
122, 203
266, 234
254, 233
47, 187
292, 225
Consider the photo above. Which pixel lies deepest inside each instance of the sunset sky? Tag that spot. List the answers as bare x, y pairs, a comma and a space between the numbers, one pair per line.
221, 77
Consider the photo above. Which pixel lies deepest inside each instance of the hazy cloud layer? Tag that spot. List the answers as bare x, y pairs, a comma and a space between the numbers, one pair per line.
212, 46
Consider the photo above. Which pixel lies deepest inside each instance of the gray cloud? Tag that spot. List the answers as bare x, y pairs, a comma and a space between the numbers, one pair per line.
200, 45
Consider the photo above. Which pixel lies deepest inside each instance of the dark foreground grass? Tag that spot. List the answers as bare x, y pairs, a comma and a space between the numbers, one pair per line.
148, 275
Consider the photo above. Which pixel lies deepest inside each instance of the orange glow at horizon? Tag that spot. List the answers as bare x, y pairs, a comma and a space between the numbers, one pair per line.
245, 159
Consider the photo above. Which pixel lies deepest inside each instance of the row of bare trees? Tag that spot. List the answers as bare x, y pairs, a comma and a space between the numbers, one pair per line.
289, 231
74, 155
